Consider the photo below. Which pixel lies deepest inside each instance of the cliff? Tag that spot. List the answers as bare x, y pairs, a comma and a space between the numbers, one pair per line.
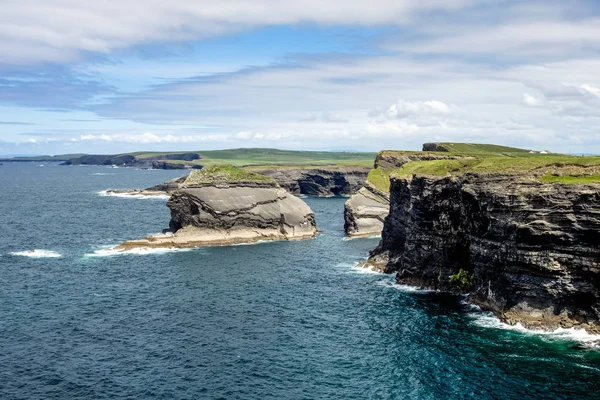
159, 161
312, 181
223, 205
366, 210
317, 181
521, 237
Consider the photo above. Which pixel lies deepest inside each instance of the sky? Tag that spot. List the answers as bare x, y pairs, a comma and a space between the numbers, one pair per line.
111, 77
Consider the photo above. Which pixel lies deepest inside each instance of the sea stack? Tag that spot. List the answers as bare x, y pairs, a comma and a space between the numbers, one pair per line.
224, 205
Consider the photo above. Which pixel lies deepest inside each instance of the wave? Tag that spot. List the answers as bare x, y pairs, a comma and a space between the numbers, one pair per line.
489, 320
345, 238
405, 288
102, 173
37, 253
356, 268
359, 269
110, 251
105, 193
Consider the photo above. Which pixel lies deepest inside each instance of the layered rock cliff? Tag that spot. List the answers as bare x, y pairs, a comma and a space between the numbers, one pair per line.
318, 181
131, 160
366, 210
526, 250
322, 182
226, 205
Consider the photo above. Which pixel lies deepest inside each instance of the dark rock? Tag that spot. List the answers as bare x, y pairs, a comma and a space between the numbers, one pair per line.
434, 147
526, 250
322, 181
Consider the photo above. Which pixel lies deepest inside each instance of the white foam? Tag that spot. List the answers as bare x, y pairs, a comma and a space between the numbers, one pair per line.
251, 243
361, 269
361, 237
102, 173
488, 320
106, 193
37, 253
405, 288
110, 251
356, 268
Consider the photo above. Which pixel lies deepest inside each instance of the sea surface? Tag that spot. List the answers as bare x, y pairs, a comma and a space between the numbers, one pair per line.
292, 320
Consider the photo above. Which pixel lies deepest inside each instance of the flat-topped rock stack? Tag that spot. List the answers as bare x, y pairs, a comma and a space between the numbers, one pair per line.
223, 205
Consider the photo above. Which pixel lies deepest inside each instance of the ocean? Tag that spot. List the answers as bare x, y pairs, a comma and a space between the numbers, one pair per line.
285, 320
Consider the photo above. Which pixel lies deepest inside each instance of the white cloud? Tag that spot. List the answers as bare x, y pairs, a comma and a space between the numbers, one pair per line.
531, 100
61, 30
146, 138
589, 89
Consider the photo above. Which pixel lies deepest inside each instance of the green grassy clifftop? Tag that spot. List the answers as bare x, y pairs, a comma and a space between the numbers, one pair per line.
463, 158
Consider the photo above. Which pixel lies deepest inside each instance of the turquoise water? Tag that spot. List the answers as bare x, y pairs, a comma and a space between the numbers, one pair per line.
268, 321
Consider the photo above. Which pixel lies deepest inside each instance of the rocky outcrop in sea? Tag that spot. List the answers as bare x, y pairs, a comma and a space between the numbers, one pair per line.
227, 205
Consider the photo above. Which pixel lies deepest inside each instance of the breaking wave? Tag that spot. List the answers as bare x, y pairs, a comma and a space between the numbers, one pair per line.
106, 193
37, 253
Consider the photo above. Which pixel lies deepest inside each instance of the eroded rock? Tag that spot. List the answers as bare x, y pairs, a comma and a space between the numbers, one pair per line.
229, 211
528, 251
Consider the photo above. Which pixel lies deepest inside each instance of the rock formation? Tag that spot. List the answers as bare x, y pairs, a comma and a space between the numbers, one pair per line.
161, 189
318, 181
526, 250
130, 160
366, 210
227, 205
323, 181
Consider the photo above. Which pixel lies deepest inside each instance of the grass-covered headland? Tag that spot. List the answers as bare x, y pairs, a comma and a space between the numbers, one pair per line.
262, 157
491, 159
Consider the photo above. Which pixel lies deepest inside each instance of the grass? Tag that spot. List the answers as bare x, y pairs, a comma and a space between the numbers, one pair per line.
225, 174
380, 179
261, 157
490, 159
508, 165
480, 148
571, 179
462, 279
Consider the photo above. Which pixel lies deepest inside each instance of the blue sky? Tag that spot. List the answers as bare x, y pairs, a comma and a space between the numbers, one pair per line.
78, 76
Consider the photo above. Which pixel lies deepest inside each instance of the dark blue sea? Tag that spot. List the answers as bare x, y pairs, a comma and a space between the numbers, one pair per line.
292, 320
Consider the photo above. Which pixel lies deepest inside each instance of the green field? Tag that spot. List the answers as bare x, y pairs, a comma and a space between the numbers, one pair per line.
490, 159
476, 148
259, 157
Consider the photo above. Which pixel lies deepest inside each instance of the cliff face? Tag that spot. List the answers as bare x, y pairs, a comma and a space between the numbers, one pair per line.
330, 181
366, 210
324, 181
528, 251
231, 210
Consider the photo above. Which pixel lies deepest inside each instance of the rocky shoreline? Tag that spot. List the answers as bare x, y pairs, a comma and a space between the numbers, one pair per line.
525, 250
